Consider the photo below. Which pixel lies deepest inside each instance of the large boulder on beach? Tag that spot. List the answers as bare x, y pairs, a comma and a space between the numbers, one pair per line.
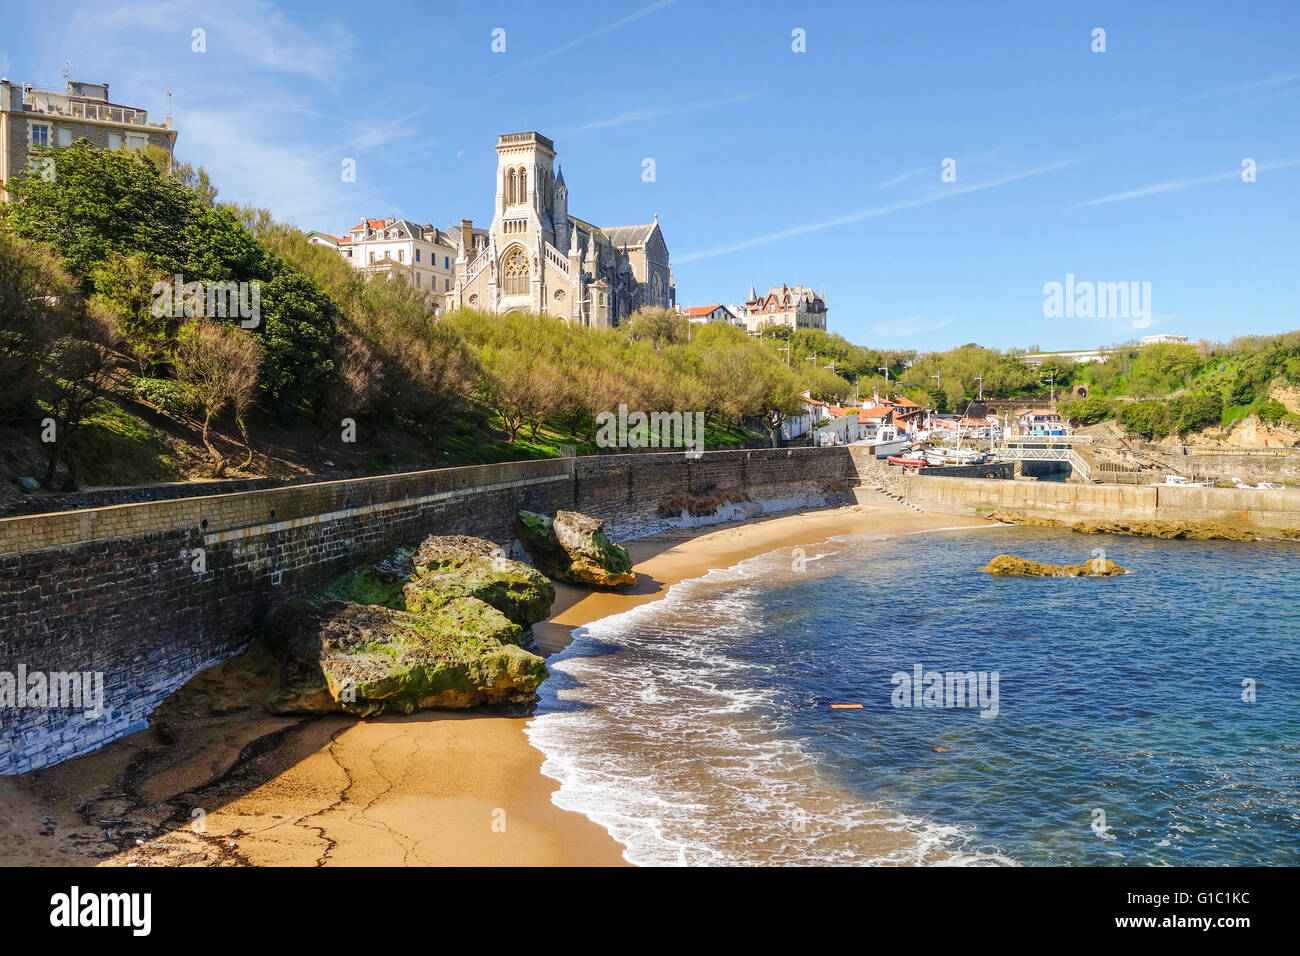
368, 659
521, 593
436, 626
574, 548
1009, 565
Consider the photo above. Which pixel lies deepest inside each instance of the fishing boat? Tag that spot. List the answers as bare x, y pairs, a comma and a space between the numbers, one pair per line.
1178, 481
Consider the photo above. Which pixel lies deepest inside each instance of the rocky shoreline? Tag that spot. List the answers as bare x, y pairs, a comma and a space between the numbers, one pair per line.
1186, 530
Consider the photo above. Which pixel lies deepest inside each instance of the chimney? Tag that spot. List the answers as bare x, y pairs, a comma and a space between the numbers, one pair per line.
467, 233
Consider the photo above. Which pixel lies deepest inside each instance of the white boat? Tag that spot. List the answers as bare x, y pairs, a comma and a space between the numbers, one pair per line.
1262, 486
1178, 481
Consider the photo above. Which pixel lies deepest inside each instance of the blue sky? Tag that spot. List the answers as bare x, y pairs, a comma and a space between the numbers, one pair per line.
821, 167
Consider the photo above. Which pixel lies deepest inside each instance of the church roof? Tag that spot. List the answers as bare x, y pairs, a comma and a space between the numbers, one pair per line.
630, 236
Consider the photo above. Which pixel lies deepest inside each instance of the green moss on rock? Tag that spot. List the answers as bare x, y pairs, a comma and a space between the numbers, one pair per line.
574, 548
448, 638
1009, 565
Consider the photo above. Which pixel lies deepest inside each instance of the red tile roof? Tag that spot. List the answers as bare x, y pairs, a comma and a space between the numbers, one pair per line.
704, 309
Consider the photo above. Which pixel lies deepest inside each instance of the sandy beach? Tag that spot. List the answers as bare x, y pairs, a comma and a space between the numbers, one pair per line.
216, 780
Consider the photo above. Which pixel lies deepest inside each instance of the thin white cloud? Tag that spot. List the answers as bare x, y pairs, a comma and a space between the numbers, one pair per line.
298, 181
386, 133
599, 31
869, 213
256, 33
903, 177
1211, 94
655, 112
1173, 184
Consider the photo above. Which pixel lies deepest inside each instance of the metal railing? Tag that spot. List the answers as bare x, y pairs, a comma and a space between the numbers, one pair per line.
1036, 449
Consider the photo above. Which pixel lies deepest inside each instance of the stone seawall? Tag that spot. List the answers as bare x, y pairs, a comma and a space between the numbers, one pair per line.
1256, 509
117, 590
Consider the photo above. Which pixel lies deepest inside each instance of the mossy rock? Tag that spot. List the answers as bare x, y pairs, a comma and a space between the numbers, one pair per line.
369, 659
1189, 530
521, 593
1009, 565
574, 548
440, 552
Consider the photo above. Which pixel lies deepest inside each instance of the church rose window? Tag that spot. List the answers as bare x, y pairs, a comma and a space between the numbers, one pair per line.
516, 273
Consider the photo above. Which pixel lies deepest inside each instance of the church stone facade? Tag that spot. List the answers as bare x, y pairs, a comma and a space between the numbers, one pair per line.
536, 257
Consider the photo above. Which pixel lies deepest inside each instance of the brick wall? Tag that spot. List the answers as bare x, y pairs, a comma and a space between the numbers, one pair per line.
113, 589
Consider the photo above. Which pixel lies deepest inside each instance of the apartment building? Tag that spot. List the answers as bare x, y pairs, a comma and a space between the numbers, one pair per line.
425, 256
32, 117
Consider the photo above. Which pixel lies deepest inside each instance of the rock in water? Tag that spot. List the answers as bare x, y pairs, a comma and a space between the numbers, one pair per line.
574, 548
1011, 566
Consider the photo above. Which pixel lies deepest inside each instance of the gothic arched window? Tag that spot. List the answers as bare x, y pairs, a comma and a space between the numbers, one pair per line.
523, 184
516, 272
657, 284
510, 188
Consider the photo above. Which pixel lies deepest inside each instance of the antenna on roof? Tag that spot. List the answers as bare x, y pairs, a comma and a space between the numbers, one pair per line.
67, 70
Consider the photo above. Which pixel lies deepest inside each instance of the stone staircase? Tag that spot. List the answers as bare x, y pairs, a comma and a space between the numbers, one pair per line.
883, 496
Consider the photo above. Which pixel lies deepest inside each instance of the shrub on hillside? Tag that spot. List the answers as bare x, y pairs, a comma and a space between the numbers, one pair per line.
1272, 411
167, 395
1146, 419
1088, 411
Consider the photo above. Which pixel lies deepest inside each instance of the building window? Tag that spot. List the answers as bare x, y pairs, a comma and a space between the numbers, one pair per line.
523, 184
114, 141
40, 133
510, 188
446, 285
401, 255
417, 255
516, 273
417, 280
65, 136
446, 262
134, 142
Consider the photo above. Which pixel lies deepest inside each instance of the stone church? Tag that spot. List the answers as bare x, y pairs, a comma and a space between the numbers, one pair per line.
538, 258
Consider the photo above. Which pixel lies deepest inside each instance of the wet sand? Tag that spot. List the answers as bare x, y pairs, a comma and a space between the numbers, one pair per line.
216, 780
